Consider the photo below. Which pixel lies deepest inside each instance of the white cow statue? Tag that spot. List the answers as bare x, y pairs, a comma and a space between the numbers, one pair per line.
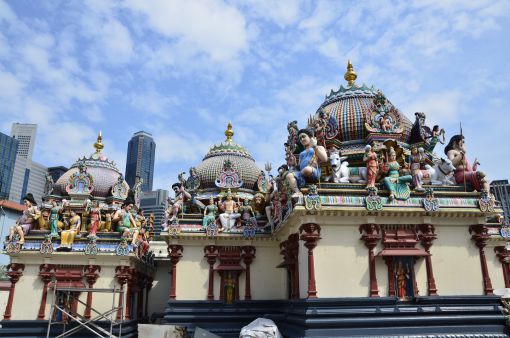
337, 163
439, 174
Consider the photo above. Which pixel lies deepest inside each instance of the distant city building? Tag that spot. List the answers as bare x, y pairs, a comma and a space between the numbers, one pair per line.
56, 172
9, 214
154, 202
8, 150
28, 176
501, 190
140, 160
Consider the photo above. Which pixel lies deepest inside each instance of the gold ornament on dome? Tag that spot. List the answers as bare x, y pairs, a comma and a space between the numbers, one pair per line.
229, 132
350, 75
99, 145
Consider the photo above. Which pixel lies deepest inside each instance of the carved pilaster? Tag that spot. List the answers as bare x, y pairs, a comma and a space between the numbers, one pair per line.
504, 257
91, 273
122, 275
14, 271
427, 236
248, 255
480, 236
371, 235
47, 273
211, 254
310, 234
175, 254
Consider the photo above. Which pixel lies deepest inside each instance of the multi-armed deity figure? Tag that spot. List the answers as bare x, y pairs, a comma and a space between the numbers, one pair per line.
464, 172
309, 162
396, 184
27, 221
230, 213
126, 224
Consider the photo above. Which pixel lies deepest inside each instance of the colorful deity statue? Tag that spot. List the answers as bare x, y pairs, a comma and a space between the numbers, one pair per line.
417, 160
106, 225
67, 236
141, 220
465, 173
55, 212
137, 190
309, 162
176, 205
95, 218
436, 135
290, 158
258, 202
403, 279
370, 158
396, 184
230, 213
210, 213
292, 139
48, 185
126, 224
247, 213
27, 221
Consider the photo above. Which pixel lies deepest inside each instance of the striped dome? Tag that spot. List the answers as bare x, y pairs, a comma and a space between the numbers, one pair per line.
242, 162
350, 106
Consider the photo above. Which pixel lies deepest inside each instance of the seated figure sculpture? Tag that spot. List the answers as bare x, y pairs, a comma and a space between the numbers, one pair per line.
27, 221
230, 213
176, 205
126, 224
396, 184
67, 236
465, 173
309, 162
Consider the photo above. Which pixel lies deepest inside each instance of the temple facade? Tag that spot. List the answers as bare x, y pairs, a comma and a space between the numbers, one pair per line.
365, 229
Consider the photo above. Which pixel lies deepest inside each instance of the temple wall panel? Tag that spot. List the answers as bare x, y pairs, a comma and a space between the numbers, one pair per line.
158, 295
303, 270
495, 268
267, 281
341, 263
192, 274
27, 295
420, 273
456, 262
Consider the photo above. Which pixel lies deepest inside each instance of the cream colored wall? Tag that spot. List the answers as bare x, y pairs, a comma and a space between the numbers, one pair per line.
495, 268
267, 281
158, 296
27, 295
456, 262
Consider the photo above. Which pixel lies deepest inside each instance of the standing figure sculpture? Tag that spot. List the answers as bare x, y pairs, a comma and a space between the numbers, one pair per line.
95, 218
247, 213
67, 237
464, 173
417, 160
230, 213
137, 190
370, 158
48, 185
434, 137
396, 184
309, 162
55, 213
210, 213
126, 224
27, 221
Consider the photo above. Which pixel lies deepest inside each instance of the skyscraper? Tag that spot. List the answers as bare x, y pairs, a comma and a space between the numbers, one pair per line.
140, 159
28, 176
154, 202
8, 149
501, 190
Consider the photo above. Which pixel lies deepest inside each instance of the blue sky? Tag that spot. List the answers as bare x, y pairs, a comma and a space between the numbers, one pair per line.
182, 69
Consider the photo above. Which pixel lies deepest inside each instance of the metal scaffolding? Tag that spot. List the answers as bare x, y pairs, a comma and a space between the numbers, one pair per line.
69, 297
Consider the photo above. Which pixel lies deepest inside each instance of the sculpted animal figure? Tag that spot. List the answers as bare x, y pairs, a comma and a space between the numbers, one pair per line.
336, 163
439, 174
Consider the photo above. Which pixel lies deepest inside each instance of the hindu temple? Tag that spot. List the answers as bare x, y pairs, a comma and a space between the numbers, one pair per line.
367, 228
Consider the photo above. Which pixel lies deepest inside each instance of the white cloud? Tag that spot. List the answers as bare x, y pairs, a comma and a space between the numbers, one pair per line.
280, 12
444, 107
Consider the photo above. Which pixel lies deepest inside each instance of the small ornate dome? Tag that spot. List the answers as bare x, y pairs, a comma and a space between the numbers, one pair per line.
241, 160
350, 106
104, 173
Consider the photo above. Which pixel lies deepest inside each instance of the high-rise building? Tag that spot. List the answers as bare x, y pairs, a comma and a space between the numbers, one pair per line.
140, 159
28, 176
154, 202
8, 149
56, 172
501, 190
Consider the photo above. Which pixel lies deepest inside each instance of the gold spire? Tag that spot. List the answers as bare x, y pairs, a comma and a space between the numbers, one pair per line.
350, 74
229, 132
98, 145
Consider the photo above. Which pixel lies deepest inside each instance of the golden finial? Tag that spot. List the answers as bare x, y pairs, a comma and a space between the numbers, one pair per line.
98, 145
350, 74
229, 132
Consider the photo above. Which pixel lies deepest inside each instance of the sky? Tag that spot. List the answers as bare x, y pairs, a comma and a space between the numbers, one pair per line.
182, 70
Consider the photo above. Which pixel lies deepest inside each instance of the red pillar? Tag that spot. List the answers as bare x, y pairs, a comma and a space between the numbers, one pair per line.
293, 261
122, 275
47, 273
175, 253
14, 271
391, 276
426, 237
480, 236
370, 235
248, 256
504, 257
310, 233
131, 289
91, 273
211, 253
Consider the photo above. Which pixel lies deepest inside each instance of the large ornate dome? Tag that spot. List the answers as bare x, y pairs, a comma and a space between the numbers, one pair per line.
104, 173
350, 106
213, 163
